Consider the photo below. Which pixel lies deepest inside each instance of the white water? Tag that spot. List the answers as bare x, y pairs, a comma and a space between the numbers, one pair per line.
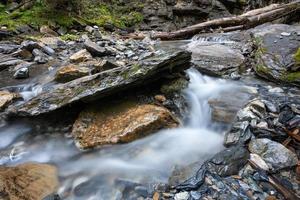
147, 160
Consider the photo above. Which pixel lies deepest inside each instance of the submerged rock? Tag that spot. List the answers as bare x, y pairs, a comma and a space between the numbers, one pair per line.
275, 54
119, 123
274, 154
104, 83
28, 181
70, 72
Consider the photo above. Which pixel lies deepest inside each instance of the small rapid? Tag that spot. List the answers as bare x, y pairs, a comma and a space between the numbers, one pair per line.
148, 160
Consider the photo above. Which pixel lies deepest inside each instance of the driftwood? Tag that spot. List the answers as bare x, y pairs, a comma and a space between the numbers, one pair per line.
287, 193
245, 21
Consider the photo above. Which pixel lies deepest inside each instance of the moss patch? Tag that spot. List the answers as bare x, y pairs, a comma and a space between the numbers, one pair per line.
120, 16
37, 16
69, 37
297, 56
291, 77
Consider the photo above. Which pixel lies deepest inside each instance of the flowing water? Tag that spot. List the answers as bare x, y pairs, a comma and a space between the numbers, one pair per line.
96, 174
93, 175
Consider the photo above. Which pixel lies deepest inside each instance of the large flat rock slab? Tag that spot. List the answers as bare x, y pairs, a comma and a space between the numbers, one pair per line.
105, 83
119, 123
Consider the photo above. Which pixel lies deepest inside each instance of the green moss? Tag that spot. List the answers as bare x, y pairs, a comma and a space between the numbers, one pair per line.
297, 56
262, 69
69, 37
37, 16
118, 16
291, 77
174, 86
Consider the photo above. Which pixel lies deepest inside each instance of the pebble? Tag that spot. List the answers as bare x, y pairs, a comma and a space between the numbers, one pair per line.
276, 90
182, 196
22, 73
285, 34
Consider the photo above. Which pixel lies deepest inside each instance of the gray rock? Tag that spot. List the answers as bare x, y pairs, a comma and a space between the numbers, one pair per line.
273, 153
22, 73
105, 83
230, 161
7, 48
30, 45
182, 196
94, 49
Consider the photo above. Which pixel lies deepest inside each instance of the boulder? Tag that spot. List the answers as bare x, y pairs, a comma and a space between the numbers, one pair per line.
105, 83
28, 181
80, 56
273, 153
275, 56
119, 123
70, 72
7, 98
216, 59
219, 54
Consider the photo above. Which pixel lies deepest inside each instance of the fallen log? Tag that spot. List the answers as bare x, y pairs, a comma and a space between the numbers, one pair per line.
245, 21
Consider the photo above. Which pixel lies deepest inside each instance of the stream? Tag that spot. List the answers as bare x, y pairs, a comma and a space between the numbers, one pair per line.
92, 175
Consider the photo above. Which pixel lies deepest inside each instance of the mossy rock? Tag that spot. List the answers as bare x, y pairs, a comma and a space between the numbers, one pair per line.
174, 86
297, 56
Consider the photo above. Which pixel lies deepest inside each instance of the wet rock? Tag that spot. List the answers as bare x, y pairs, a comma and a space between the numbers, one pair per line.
7, 47
119, 123
7, 98
181, 174
259, 161
216, 59
70, 72
39, 56
274, 154
229, 161
22, 73
94, 49
28, 181
226, 105
239, 133
6, 62
30, 45
80, 56
174, 86
182, 196
225, 163
105, 83
277, 61
104, 65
